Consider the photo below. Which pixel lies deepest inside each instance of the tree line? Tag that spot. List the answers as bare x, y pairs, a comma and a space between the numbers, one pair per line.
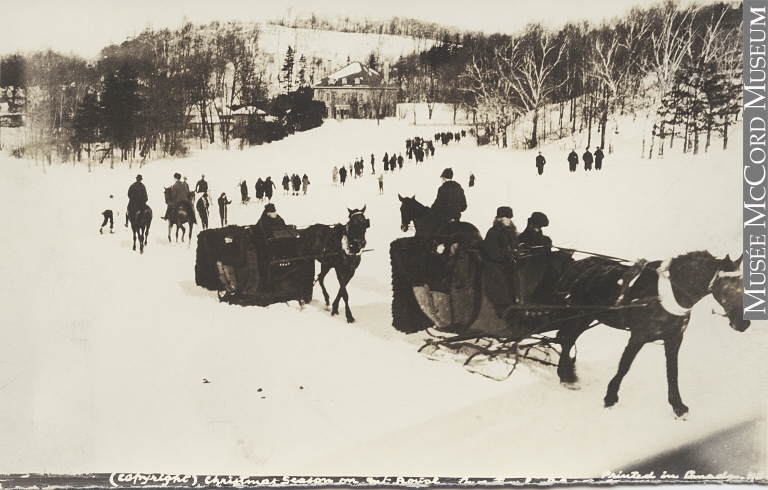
679, 65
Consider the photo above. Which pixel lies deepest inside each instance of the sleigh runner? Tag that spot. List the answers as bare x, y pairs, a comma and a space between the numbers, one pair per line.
243, 271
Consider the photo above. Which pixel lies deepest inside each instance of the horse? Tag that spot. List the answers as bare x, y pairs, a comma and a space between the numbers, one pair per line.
652, 300
181, 213
141, 219
336, 247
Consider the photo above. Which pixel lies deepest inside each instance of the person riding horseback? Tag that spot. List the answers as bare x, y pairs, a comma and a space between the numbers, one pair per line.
500, 248
137, 198
450, 201
532, 239
179, 196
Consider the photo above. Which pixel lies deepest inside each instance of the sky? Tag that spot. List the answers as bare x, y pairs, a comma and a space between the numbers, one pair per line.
84, 27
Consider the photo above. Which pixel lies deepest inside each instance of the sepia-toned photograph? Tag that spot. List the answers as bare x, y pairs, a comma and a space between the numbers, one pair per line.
403, 243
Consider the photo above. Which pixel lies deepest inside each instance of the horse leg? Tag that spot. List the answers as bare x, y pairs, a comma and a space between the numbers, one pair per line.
343, 281
567, 337
170, 225
183, 232
324, 269
134, 240
146, 235
671, 349
630, 351
189, 242
141, 241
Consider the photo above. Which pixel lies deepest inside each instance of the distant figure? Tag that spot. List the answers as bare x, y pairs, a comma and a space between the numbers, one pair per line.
202, 209
202, 185
392, 162
243, 192
587, 157
304, 184
540, 162
599, 158
386, 161
373, 165
471, 179
179, 194
381, 183
573, 160
335, 175
137, 198
268, 186
259, 190
532, 237
286, 184
450, 201
223, 201
296, 181
400, 161
342, 175
107, 213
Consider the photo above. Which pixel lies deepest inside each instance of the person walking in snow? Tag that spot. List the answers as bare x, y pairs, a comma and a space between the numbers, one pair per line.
304, 184
373, 165
573, 160
381, 183
243, 192
296, 181
259, 190
223, 201
540, 161
587, 157
286, 184
202, 209
342, 175
268, 186
599, 158
335, 175
400, 161
201, 186
107, 213
471, 179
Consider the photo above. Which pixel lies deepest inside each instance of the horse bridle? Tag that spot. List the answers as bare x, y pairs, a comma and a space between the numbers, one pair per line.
345, 237
666, 296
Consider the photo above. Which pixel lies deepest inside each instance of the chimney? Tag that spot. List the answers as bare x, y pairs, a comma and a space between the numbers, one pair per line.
386, 71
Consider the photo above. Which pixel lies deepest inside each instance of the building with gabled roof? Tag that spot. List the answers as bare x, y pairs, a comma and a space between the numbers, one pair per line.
357, 92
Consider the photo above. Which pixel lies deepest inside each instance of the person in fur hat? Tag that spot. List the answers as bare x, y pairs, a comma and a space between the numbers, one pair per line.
532, 238
500, 248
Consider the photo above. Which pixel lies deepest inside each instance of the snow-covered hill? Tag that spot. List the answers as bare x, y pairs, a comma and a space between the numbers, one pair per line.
104, 351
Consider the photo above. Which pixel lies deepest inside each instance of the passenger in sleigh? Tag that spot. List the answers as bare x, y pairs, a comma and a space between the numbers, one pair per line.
532, 239
262, 232
500, 248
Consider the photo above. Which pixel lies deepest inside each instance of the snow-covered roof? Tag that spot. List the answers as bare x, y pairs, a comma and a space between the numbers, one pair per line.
353, 74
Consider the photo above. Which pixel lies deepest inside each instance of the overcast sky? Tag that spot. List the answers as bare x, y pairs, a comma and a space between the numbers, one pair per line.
86, 26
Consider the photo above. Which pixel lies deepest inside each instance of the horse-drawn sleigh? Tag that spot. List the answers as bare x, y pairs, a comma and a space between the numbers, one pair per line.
557, 298
248, 268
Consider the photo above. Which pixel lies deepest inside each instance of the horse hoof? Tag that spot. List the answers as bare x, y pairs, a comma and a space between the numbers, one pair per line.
570, 385
142, 251
681, 412
610, 403
350, 320
334, 312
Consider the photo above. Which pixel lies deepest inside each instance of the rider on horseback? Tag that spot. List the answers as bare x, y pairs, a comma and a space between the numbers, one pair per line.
137, 198
179, 195
450, 201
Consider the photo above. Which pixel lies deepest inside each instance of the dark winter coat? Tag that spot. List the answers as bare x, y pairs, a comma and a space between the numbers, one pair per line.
244, 190
266, 227
179, 193
535, 238
587, 157
202, 186
286, 182
202, 206
599, 157
342, 174
540, 161
223, 201
499, 251
268, 186
296, 180
137, 195
573, 159
471, 180
450, 201
259, 189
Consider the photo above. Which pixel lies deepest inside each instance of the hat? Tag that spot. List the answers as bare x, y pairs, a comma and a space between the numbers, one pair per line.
447, 174
270, 208
539, 220
177, 175
504, 212
138, 177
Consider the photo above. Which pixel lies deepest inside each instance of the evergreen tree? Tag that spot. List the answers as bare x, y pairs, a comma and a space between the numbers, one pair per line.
287, 70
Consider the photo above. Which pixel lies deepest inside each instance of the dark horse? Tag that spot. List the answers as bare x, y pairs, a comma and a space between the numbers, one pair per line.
180, 213
651, 300
140, 220
336, 247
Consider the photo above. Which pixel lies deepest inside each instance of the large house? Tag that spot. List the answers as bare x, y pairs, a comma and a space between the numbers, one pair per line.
356, 92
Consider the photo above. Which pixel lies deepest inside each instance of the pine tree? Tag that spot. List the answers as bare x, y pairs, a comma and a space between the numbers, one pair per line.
302, 75
288, 70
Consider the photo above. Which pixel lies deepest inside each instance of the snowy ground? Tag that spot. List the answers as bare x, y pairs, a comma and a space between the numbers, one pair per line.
104, 351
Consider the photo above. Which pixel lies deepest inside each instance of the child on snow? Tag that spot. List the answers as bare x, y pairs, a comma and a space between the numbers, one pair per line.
108, 215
